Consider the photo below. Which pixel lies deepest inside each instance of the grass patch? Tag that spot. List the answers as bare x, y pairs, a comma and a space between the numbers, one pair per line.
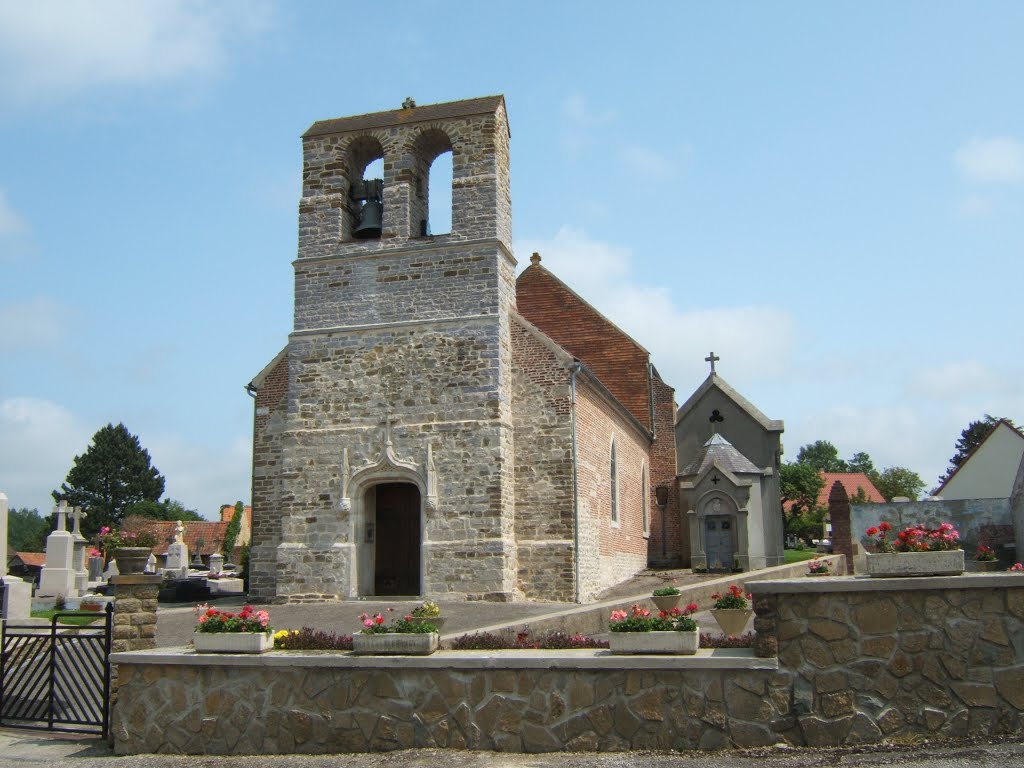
799, 555
76, 618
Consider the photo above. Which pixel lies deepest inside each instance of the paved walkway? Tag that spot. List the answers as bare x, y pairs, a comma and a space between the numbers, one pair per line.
175, 623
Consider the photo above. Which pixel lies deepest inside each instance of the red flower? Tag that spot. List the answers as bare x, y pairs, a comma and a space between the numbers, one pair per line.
378, 619
872, 531
884, 526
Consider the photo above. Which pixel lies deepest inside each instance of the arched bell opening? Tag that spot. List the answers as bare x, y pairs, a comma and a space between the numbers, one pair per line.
366, 191
431, 207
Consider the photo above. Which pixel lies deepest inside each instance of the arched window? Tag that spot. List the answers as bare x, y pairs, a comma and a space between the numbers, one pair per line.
366, 189
614, 484
645, 500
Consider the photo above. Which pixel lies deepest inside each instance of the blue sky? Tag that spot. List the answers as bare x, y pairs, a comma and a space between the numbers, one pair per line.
828, 195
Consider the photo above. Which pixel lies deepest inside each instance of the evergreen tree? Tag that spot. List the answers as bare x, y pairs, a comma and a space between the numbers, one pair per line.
970, 439
111, 476
233, 529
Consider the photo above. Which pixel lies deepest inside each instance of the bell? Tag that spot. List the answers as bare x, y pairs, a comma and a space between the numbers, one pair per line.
369, 220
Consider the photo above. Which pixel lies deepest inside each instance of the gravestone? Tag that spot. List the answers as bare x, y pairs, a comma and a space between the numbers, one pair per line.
18, 593
81, 546
177, 553
58, 575
216, 562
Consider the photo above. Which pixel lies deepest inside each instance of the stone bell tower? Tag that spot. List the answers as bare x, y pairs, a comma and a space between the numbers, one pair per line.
386, 468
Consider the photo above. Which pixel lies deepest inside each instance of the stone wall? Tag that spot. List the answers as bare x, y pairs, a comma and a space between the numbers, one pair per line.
842, 662
531, 701
875, 659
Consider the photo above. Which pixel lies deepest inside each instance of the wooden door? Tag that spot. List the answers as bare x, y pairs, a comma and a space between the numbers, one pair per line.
397, 553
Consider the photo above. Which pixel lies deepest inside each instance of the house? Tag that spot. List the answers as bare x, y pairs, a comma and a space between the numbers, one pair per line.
435, 425
202, 537
988, 472
26, 565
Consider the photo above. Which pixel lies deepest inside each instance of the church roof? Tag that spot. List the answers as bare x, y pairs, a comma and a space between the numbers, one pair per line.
428, 112
721, 451
618, 361
716, 381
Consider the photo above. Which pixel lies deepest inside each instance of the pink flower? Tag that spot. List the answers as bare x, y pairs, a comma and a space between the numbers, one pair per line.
618, 615
367, 623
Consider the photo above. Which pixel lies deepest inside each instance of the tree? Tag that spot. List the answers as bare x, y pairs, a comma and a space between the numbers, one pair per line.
113, 474
821, 455
970, 439
861, 462
27, 530
233, 529
168, 509
800, 484
899, 481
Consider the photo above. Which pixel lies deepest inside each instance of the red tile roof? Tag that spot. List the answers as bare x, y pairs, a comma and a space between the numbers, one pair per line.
850, 481
34, 559
211, 533
618, 361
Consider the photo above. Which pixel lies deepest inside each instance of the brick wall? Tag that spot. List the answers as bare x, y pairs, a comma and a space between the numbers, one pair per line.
609, 553
663, 472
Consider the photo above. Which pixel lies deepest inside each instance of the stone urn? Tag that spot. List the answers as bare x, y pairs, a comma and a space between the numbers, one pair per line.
666, 602
732, 620
131, 560
661, 642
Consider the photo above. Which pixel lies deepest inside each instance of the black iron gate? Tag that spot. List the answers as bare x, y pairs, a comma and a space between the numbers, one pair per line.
56, 677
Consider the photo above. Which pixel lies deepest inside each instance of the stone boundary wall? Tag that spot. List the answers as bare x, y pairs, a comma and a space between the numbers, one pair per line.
897, 658
858, 661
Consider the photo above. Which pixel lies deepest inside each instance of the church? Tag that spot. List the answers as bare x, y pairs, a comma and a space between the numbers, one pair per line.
437, 426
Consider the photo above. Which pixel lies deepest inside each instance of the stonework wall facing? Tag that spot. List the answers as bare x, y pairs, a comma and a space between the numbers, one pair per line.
675, 549
898, 659
542, 417
253, 709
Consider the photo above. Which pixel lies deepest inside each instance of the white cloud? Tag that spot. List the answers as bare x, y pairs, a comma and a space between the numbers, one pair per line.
753, 341
648, 163
40, 442
34, 323
580, 119
955, 381
996, 159
11, 222
49, 49
203, 477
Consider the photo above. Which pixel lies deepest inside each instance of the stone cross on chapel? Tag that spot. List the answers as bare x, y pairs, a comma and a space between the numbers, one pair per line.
712, 358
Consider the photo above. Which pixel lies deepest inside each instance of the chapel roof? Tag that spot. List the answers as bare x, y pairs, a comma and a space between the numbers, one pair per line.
715, 381
721, 451
428, 112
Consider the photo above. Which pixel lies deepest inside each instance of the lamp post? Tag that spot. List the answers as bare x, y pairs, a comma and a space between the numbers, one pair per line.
661, 496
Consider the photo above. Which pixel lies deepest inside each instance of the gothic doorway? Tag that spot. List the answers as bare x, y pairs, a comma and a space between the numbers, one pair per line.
719, 542
398, 539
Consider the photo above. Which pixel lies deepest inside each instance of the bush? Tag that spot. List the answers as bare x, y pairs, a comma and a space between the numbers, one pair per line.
486, 641
309, 639
718, 641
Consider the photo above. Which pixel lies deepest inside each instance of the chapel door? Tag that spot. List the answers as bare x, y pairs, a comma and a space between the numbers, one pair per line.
397, 552
718, 543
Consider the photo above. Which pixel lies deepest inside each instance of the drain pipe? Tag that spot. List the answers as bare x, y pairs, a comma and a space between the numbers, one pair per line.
575, 485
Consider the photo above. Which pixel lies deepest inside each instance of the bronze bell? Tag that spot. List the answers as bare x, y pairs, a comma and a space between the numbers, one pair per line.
370, 218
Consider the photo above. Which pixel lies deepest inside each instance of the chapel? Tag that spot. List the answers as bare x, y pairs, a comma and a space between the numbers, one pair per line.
437, 426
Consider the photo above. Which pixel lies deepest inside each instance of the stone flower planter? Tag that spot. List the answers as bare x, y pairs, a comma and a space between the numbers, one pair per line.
941, 563
679, 643
395, 644
232, 642
131, 560
985, 566
732, 620
667, 602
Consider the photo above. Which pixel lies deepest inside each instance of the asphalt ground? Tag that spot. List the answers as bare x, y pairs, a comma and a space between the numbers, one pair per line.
175, 622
